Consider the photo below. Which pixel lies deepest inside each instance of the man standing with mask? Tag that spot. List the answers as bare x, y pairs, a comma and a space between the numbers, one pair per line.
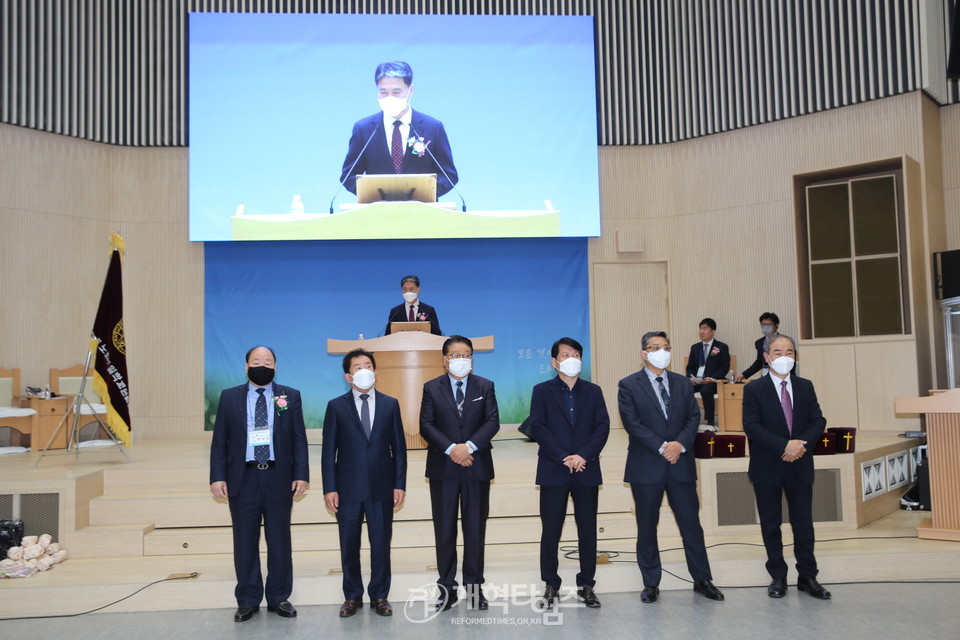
413, 309
569, 420
770, 328
660, 415
364, 476
398, 139
458, 419
780, 416
258, 461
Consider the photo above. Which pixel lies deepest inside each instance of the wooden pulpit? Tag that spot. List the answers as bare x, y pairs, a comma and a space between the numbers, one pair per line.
942, 411
406, 360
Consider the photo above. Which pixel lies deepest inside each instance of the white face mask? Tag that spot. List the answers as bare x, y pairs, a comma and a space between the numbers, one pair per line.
660, 359
782, 365
393, 106
409, 296
364, 379
460, 367
571, 367
766, 329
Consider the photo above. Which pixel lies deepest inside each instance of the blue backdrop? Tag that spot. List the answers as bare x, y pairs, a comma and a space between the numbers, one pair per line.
292, 296
273, 99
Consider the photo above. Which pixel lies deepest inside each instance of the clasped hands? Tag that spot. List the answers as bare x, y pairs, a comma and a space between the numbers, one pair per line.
671, 451
575, 462
794, 450
460, 454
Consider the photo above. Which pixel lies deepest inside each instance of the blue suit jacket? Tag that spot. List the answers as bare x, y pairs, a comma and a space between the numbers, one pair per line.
228, 450
558, 438
356, 468
441, 426
648, 429
376, 158
766, 427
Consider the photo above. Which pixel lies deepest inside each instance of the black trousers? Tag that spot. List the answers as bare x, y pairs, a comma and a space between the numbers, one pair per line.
706, 394
472, 499
379, 515
770, 508
262, 496
685, 504
553, 512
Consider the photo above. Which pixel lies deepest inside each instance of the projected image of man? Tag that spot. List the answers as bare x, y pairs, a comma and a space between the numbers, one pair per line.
398, 139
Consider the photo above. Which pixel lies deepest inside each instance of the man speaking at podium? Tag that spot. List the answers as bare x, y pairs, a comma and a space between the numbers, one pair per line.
398, 139
412, 309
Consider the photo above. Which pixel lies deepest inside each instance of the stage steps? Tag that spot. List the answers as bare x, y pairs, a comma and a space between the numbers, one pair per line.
82, 584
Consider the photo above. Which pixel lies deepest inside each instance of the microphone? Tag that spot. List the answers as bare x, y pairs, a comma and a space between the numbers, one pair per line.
442, 170
346, 176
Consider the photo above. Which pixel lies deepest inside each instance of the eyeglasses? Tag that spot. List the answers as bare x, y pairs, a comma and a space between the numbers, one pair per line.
656, 347
459, 356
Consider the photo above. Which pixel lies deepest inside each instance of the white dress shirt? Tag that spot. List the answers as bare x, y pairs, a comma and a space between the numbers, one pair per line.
371, 402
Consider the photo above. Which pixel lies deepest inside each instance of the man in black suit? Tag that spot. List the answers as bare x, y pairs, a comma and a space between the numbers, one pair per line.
458, 419
770, 328
569, 420
780, 416
709, 361
258, 461
412, 309
398, 139
660, 416
364, 470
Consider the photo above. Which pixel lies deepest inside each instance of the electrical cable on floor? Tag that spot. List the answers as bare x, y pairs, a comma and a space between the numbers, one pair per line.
189, 576
572, 553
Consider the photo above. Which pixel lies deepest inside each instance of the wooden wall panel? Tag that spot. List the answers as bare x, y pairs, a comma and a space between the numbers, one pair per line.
949, 135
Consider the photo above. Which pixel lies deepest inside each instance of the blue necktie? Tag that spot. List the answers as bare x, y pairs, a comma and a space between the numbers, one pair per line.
664, 395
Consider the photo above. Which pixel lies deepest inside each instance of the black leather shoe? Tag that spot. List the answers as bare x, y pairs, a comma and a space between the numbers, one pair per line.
244, 613
814, 588
350, 607
588, 597
549, 597
777, 588
284, 610
382, 607
649, 594
707, 589
478, 602
447, 600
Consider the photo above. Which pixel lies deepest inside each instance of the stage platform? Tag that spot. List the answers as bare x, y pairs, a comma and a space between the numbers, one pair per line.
128, 524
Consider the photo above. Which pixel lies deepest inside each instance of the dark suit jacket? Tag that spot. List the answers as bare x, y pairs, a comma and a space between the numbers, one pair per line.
229, 447
399, 314
550, 426
376, 158
356, 468
441, 426
717, 365
766, 427
648, 429
759, 363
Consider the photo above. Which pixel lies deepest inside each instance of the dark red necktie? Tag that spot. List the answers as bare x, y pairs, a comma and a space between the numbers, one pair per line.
411, 313
396, 147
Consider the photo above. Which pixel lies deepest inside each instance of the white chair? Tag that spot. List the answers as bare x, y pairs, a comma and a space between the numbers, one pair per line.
67, 382
20, 422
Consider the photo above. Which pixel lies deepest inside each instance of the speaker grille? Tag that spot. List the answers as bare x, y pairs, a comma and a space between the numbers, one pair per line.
735, 501
40, 513
6, 506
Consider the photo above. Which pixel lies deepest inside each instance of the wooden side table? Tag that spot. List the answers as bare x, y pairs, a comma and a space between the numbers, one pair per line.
730, 397
49, 414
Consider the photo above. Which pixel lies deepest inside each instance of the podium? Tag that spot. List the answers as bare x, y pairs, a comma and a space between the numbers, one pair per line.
942, 411
406, 360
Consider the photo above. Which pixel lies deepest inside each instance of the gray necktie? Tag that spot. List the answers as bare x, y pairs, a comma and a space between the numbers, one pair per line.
664, 395
365, 414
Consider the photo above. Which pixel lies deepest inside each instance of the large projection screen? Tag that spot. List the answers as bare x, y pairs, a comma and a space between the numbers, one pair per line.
274, 99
